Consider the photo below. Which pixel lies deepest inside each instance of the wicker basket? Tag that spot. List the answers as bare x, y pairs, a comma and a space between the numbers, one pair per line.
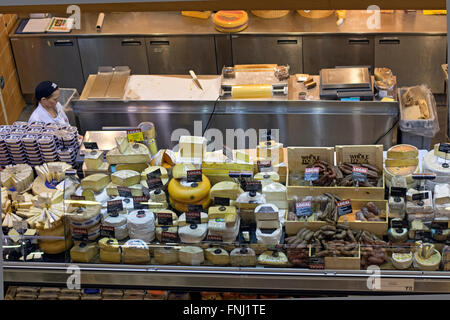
315, 14
270, 14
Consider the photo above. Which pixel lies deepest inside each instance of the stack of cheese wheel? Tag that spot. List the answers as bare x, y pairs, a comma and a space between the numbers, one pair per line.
435, 162
183, 193
87, 218
224, 222
192, 232
141, 225
401, 160
19, 176
109, 250
231, 20
119, 222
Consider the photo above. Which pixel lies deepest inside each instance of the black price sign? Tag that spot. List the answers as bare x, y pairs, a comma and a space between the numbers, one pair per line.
424, 176
167, 236
420, 196
154, 183
80, 234
124, 192
240, 174
90, 145
424, 236
316, 263
359, 174
221, 201
444, 147
77, 198
193, 217
398, 192
227, 152
397, 224
303, 208
253, 186
154, 174
214, 238
114, 206
165, 218
311, 174
344, 207
137, 202
264, 165
107, 231
194, 176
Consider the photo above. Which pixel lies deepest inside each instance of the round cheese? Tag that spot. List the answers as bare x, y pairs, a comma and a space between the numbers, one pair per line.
113, 221
430, 264
230, 19
86, 224
193, 233
402, 261
402, 152
82, 214
189, 192
19, 176
433, 164
55, 247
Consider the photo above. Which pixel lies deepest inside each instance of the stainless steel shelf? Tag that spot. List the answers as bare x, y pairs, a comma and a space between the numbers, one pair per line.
220, 278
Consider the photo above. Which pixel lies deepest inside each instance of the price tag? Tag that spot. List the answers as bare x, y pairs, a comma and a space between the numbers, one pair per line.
154, 174
359, 174
424, 236
90, 145
114, 206
424, 176
71, 172
124, 192
194, 176
264, 165
303, 208
165, 218
221, 201
402, 285
194, 214
420, 196
444, 147
240, 174
135, 135
254, 186
80, 234
344, 207
397, 224
214, 238
227, 152
107, 231
154, 183
311, 174
316, 263
137, 202
398, 192
169, 237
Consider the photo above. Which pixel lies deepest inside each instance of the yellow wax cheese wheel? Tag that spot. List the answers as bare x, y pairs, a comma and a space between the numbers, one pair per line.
184, 207
189, 192
230, 20
55, 247
402, 152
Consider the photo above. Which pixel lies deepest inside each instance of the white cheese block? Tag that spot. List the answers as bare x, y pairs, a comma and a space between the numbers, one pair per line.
93, 159
166, 255
229, 234
247, 198
442, 194
96, 182
266, 211
272, 258
192, 256
414, 207
217, 256
275, 192
193, 233
226, 189
269, 238
126, 178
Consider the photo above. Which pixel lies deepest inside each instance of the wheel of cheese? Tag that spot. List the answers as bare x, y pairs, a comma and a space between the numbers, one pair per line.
230, 20
83, 214
112, 221
433, 164
165, 158
56, 247
189, 192
402, 152
87, 224
56, 232
184, 207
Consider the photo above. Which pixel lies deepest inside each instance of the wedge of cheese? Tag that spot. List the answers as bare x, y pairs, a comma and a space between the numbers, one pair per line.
179, 171
139, 167
226, 189
217, 256
96, 182
442, 193
125, 178
190, 255
135, 153
148, 170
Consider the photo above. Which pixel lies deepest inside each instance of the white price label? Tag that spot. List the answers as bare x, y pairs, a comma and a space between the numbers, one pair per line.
403, 285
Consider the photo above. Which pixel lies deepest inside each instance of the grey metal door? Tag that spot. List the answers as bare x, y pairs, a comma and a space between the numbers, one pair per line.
268, 49
413, 59
321, 52
47, 58
113, 51
179, 54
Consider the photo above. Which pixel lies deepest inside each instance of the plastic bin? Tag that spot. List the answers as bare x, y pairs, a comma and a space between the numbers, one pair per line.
66, 96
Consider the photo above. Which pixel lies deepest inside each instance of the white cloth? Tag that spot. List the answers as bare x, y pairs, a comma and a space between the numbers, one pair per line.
40, 114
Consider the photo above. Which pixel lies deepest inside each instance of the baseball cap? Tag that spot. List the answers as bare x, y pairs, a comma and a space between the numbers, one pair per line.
45, 89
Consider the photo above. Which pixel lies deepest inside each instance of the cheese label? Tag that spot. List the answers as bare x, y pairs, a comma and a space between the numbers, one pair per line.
219, 201
154, 174
194, 176
424, 236
107, 231
137, 202
90, 145
444, 147
303, 208
344, 207
80, 234
311, 174
227, 152
169, 236
264, 165
359, 174
135, 135
154, 183
214, 238
114, 206
240, 174
124, 192
254, 186
193, 218
316, 263
77, 198
420, 196
165, 218
424, 176
398, 192
397, 224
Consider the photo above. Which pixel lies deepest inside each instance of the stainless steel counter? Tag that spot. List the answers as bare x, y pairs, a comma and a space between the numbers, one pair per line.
173, 23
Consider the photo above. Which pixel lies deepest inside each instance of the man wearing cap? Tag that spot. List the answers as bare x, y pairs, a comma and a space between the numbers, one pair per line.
48, 110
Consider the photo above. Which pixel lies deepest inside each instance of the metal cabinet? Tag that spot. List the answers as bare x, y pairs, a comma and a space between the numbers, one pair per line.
47, 58
413, 59
321, 52
113, 51
179, 54
268, 49
223, 51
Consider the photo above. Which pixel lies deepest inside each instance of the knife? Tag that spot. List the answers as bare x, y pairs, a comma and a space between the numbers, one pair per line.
195, 79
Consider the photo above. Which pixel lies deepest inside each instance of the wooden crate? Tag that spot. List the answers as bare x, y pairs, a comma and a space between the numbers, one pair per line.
379, 228
342, 263
298, 161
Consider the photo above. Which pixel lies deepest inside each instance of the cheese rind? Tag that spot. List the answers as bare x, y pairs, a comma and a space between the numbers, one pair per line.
401, 162
402, 152
96, 182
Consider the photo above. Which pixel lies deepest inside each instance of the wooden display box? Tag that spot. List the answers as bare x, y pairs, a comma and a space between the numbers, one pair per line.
300, 157
342, 263
378, 228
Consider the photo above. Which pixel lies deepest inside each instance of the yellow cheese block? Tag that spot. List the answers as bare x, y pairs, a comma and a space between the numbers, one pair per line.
109, 244
125, 178
401, 163
93, 159
110, 257
217, 256
189, 194
402, 152
96, 182
226, 189
228, 213
135, 153
197, 14
139, 167
251, 91
179, 171
83, 252
184, 207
